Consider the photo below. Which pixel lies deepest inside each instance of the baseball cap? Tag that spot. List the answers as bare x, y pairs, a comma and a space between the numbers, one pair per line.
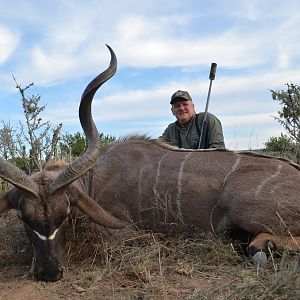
184, 95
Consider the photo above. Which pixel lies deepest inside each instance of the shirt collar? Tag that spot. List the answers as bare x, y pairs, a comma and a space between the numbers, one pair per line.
187, 125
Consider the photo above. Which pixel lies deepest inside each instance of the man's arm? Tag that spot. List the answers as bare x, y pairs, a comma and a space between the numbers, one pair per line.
166, 135
215, 133
170, 136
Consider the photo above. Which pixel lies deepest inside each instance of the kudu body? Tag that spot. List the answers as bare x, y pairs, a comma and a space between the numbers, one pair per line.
147, 184
164, 188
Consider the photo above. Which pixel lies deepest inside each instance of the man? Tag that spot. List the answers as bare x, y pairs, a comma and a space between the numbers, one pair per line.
185, 132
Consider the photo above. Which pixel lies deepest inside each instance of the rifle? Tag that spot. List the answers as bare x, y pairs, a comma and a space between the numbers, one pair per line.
204, 127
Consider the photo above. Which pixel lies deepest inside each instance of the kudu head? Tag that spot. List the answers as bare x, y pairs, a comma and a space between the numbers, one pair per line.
44, 200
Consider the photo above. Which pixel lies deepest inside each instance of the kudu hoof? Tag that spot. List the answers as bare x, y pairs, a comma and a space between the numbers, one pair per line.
260, 259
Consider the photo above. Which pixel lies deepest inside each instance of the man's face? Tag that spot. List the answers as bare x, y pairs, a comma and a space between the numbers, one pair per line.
183, 110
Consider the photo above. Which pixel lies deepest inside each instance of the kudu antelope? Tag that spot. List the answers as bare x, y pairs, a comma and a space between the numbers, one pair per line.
45, 199
147, 184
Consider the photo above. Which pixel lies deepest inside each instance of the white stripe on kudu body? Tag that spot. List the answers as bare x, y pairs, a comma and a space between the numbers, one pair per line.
268, 179
139, 204
155, 191
179, 186
158, 196
234, 167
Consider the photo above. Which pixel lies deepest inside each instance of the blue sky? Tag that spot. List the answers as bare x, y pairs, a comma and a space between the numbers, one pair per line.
162, 46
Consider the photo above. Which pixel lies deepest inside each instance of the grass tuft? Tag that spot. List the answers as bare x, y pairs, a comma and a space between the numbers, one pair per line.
148, 265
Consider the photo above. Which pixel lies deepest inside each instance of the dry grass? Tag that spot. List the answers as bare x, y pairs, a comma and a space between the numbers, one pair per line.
153, 266
14, 245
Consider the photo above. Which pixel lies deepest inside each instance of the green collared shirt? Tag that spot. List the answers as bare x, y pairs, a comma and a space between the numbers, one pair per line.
187, 136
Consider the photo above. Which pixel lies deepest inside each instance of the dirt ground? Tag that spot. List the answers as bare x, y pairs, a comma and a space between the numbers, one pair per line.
14, 285
146, 267
89, 283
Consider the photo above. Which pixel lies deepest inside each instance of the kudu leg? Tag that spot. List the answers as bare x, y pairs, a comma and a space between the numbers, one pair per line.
264, 242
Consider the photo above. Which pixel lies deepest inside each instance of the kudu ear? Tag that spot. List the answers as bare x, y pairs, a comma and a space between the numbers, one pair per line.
92, 209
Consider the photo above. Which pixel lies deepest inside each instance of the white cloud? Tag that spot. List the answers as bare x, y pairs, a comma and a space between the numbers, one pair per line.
8, 43
247, 120
256, 48
72, 40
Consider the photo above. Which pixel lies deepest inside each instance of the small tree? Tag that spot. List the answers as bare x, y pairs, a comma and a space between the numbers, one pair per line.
7, 138
32, 142
106, 139
74, 145
279, 144
282, 145
289, 117
289, 114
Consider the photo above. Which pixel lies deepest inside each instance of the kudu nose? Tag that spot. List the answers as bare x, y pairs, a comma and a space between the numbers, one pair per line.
48, 274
